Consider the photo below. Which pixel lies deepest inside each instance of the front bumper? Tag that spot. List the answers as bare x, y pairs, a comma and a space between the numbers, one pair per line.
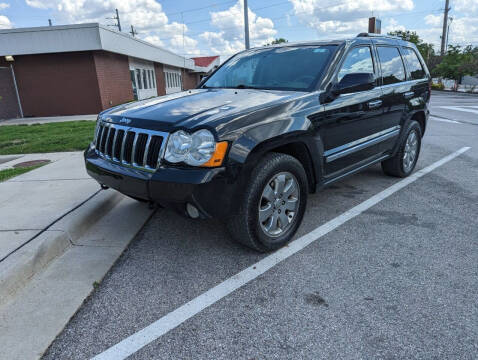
168, 186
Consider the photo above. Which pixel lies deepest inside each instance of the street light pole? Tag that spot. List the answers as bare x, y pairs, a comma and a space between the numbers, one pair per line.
246, 25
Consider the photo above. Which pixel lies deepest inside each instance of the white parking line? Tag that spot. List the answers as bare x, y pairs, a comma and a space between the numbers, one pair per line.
460, 108
444, 120
135, 342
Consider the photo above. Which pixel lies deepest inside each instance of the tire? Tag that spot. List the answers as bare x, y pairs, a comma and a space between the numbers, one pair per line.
398, 165
272, 170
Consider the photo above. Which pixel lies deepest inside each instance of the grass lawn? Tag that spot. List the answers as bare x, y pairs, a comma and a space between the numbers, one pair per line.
9, 173
52, 137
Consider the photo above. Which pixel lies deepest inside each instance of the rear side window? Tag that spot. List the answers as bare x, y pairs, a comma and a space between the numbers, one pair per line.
391, 64
358, 60
414, 64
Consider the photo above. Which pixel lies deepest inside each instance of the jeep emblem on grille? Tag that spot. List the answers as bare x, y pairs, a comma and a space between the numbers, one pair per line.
125, 121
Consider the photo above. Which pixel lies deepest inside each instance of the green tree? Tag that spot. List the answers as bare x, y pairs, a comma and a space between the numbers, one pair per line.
457, 63
277, 41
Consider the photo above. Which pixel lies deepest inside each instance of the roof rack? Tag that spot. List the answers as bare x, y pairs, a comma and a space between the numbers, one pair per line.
364, 34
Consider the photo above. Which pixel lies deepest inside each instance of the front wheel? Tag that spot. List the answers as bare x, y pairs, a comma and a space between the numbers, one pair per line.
273, 204
404, 161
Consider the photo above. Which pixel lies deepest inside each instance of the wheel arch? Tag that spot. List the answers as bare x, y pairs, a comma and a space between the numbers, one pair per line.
303, 148
420, 117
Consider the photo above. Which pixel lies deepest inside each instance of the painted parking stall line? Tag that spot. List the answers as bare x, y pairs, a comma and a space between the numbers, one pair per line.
445, 120
138, 340
461, 108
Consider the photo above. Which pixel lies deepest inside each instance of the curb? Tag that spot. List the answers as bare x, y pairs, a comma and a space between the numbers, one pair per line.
40, 310
17, 269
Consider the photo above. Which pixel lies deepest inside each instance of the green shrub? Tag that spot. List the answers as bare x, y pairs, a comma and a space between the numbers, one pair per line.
438, 86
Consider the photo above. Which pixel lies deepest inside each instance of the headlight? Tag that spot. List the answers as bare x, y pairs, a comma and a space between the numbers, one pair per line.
197, 149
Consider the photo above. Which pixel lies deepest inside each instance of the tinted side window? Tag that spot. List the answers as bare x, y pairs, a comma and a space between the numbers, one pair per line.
358, 60
391, 64
414, 64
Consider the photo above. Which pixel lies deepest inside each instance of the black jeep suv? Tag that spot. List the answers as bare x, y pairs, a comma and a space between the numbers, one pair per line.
268, 127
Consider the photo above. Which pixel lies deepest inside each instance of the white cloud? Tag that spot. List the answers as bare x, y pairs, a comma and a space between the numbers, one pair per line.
463, 30
230, 23
393, 25
347, 18
466, 6
5, 22
433, 20
147, 17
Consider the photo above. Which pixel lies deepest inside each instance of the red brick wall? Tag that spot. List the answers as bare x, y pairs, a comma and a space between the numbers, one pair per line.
160, 80
57, 84
114, 80
190, 80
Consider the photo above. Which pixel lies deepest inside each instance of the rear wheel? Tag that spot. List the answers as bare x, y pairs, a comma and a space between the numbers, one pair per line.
273, 204
404, 161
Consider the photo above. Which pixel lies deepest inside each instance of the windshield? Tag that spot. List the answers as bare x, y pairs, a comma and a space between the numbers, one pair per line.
282, 68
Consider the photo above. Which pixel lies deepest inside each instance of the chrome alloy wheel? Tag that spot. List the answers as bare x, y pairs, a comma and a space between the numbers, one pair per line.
410, 152
279, 204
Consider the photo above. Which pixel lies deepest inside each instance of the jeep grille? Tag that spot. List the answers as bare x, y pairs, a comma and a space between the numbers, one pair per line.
133, 147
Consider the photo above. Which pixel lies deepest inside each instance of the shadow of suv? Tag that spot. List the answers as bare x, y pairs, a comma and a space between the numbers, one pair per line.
269, 126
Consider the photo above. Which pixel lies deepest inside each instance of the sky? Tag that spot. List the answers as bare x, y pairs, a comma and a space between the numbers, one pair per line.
216, 27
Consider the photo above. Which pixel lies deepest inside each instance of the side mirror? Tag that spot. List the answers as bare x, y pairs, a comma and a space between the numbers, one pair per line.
354, 82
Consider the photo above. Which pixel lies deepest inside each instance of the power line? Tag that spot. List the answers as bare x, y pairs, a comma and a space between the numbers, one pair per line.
200, 8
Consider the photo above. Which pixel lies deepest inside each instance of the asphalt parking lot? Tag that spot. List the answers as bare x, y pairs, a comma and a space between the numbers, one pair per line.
399, 280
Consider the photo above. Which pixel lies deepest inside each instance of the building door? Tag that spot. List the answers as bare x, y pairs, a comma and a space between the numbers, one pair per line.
143, 79
8, 99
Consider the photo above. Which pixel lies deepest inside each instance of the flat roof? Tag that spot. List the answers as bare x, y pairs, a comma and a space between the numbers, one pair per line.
85, 37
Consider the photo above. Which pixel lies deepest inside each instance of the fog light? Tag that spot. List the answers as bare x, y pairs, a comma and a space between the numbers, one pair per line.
192, 211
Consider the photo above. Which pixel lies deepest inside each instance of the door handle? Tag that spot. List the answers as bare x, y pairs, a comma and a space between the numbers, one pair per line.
408, 94
374, 104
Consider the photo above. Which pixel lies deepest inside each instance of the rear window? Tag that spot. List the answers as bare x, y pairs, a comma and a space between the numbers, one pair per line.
391, 64
414, 64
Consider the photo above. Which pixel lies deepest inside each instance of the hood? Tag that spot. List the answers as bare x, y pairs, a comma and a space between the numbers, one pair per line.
195, 108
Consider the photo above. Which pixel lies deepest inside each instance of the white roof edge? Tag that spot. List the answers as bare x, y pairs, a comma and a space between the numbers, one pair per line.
85, 37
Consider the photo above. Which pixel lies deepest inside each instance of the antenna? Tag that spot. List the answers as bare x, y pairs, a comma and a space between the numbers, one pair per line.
133, 32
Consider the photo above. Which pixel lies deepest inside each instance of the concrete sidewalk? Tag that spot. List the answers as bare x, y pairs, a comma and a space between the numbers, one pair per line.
45, 120
59, 233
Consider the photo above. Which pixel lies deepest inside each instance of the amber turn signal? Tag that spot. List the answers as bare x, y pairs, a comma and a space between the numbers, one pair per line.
218, 156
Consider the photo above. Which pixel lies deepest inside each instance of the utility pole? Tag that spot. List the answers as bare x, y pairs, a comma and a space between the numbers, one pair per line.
445, 27
117, 18
133, 32
119, 23
448, 32
246, 24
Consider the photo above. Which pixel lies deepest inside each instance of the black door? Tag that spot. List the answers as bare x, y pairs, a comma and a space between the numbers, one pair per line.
350, 124
396, 91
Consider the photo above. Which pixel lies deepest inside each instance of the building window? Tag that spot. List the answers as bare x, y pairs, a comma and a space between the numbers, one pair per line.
154, 79
145, 79
138, 78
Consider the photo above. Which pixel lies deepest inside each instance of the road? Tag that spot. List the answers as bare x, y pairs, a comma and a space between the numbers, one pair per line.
398, 280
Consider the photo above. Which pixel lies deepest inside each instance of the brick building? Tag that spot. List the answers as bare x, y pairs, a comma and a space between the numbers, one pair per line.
86, 68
